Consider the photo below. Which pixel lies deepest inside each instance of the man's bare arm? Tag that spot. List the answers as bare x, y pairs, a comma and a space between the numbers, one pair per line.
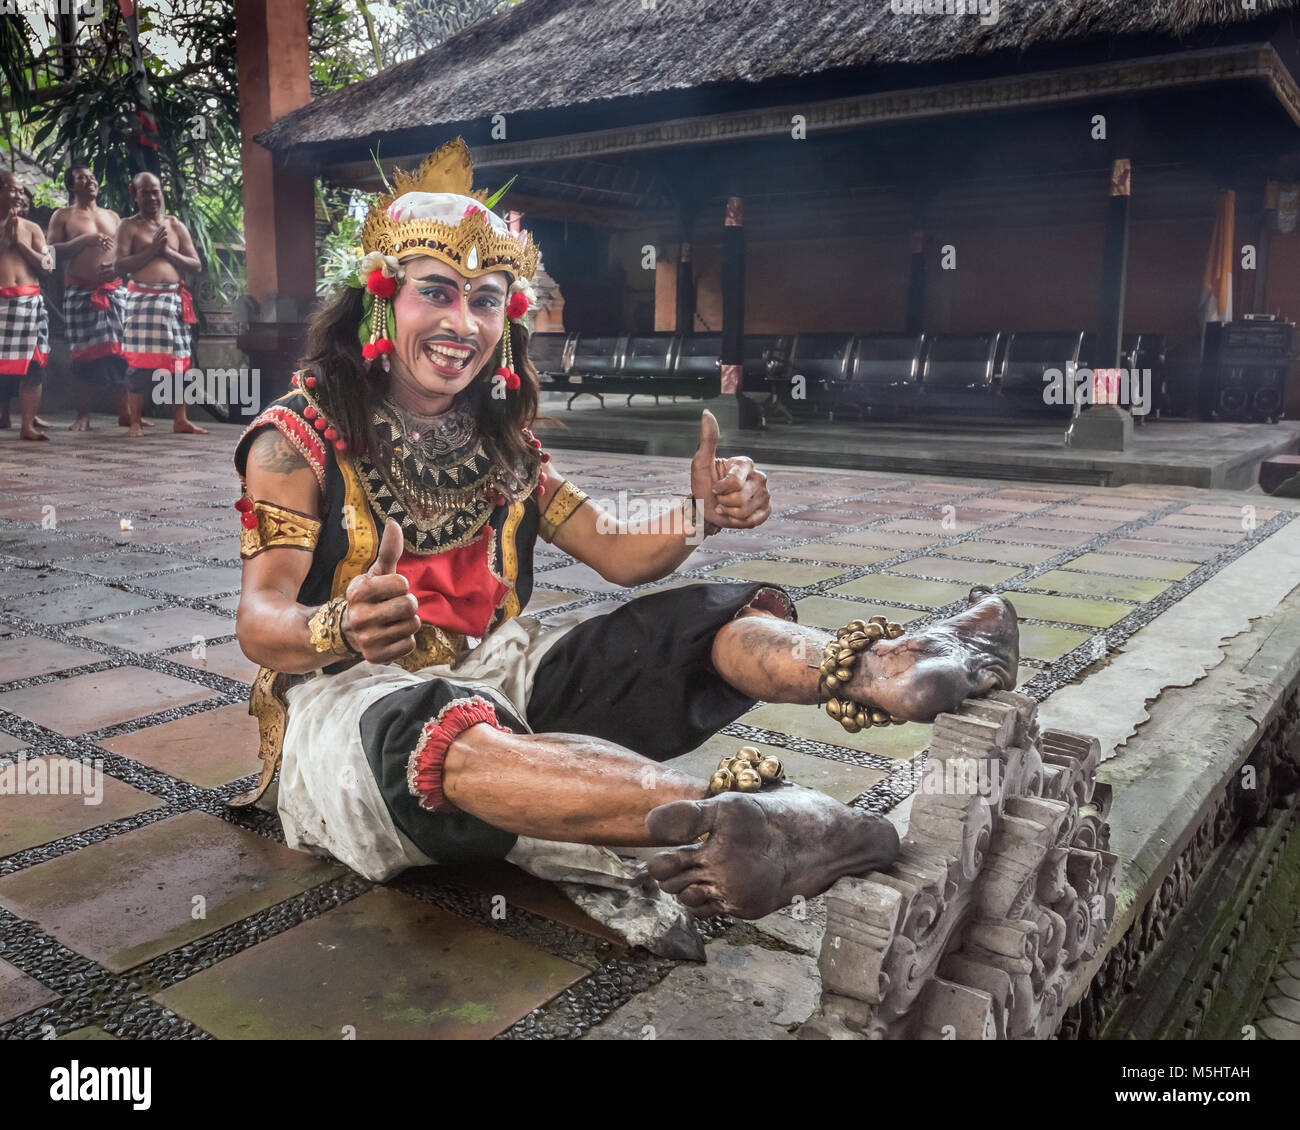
127, 262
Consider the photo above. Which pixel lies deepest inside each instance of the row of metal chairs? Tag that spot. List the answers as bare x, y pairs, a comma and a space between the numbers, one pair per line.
881, 373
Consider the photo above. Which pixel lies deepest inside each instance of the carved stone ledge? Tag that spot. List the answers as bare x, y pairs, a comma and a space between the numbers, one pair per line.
1003, 889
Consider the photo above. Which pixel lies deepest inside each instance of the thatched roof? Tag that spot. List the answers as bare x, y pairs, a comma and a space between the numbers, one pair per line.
552, 54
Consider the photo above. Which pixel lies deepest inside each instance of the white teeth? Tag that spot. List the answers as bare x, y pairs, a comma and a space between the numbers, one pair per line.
456, 356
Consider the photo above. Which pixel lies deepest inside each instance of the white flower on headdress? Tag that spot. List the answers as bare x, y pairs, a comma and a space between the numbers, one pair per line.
376, 261
525, 287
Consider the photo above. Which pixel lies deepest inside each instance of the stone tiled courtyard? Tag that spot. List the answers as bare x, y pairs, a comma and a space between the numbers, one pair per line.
161, 912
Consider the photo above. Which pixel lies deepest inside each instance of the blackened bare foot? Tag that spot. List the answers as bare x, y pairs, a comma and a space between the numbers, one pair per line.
188, 427
32, 433
764, 849
919, 676
80, 424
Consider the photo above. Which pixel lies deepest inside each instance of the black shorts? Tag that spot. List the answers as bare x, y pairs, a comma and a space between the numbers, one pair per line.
641, 676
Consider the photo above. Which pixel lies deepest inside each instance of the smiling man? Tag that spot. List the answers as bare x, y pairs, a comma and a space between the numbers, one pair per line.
24, 321
390, 509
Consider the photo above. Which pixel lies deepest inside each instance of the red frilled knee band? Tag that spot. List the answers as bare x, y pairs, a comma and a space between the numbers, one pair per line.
424, 767
772, 600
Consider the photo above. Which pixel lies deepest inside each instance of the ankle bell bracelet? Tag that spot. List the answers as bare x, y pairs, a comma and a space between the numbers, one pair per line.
745, 771
839, 659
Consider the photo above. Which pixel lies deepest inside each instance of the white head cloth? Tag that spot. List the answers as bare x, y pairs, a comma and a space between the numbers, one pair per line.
447, 207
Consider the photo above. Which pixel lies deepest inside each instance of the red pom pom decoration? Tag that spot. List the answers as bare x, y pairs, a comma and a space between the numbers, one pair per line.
244, 505
369, 352
546, 456
321, 423
309, 412
311, 382
517, 307
339, 445
294, 380
512, 379
540, 491
384, 345
330, 433
380, 285
248, 521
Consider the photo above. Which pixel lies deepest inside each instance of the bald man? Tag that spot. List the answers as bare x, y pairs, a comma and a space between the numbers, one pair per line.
24, 321
153, 249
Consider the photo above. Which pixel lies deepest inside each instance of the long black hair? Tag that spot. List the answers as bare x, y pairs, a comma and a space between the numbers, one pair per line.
349, 388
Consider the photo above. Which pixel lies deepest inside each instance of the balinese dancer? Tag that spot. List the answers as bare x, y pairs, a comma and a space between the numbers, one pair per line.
153, 249
24, 322
83, 236
390, 508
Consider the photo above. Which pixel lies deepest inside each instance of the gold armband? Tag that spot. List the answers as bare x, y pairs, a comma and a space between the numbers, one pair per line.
326, 627
276, 526
563, 503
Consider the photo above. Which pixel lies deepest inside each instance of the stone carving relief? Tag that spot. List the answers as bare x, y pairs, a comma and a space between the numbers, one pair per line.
1002, 890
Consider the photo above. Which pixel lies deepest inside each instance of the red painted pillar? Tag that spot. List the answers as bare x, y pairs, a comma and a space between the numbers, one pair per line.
279, 203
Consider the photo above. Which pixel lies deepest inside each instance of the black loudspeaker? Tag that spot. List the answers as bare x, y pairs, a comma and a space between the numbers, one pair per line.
1245, 368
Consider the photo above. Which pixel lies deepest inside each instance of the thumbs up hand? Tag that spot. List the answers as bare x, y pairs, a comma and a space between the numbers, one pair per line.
382, 614
733, 490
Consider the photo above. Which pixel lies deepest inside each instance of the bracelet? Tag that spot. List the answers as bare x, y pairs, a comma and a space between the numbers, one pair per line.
693, 514
745, 771
326, 625
838, 661
564, 502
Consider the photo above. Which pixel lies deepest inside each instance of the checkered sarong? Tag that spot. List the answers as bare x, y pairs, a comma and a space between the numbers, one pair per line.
95, 315
24, 329
158, 319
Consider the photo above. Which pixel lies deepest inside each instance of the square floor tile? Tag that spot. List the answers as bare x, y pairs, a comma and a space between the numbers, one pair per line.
1068, 609
1183, 552
903, 590
22, 657
577, 576
969, 572
1033, 536
832, 613
91, 702
1116, 565
776, 573
157, 873
205, 581
1042, 642
156, 631
223, 659
127, 564
20, 993
73, 796
205, 749
1090, 584
384, 966
886, 539
79, 603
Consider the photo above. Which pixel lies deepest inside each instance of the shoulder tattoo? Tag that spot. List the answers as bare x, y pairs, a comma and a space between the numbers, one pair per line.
273, 453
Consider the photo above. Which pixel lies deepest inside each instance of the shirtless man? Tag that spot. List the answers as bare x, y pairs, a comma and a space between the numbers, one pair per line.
154, 249
24, 325
83, 236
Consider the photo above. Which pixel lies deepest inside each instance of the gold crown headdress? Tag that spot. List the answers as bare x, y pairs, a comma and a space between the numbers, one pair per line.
472, 244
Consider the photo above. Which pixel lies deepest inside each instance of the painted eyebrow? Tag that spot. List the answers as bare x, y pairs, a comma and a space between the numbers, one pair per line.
489, 287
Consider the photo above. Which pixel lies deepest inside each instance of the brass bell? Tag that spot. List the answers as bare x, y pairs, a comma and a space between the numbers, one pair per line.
875, 631
852, 725
828, 665
771, 769
857, 625
897, 721
843, 674
749, 753
721, 782
880, 718
832, 682
845, 657
895, 630
833, 708
748, 781
878, 620
725, 761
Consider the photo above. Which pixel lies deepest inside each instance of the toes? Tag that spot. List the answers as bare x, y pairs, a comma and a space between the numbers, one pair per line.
668, 865
698, 895
680, 821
